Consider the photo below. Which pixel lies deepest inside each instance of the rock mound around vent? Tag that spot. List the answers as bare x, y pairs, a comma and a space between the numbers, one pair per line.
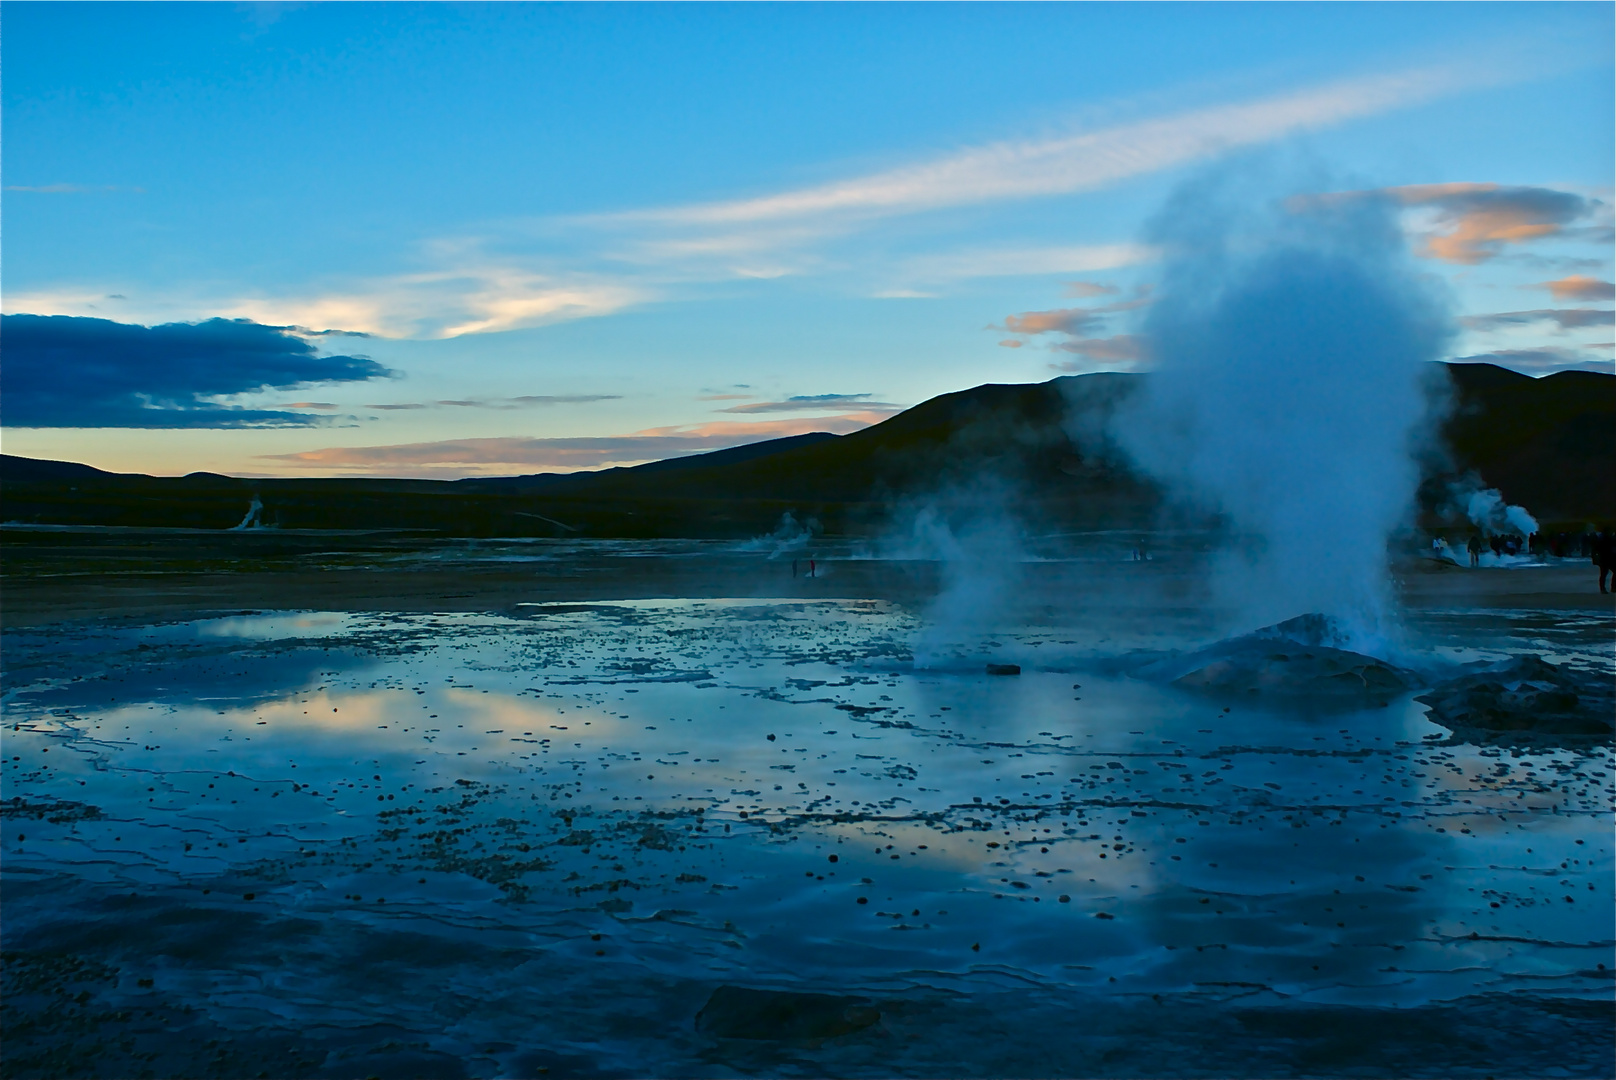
1300, 658
1526, 701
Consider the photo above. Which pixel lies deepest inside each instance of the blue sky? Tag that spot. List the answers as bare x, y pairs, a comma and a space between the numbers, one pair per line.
579, 235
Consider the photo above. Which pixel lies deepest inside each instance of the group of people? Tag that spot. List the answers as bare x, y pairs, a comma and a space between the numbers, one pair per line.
1501, 544
1581, 545
1599, 547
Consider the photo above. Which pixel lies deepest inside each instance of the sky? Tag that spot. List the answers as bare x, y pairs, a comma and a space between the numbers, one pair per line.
445, 240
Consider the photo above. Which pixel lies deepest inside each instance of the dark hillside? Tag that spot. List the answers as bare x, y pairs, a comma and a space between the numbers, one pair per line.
565, 482
1549, 444
1012, 431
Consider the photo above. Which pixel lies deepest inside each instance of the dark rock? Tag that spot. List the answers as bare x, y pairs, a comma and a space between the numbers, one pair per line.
739, 1012
1304, 657
1526, 701
1004, 669
1304, 671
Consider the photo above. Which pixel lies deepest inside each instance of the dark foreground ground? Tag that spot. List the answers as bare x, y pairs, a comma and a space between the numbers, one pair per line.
447, 887
72, 1017
50, 575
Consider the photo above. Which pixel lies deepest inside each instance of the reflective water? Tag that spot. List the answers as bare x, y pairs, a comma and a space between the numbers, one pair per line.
533, 845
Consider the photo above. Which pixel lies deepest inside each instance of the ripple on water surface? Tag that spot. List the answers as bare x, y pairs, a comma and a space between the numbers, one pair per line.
329, 818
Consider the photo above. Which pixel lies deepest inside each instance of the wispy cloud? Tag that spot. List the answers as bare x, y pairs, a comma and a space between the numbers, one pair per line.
1078, 162
1471, 223
529, 401
473, 297
1579, 287
1089, 289
71, 189
507, 456
818, 403
1060, 320
1021, 261
1120, 351
545, 270
1475, 222
1074, 320
524, 401
1564, 318
1080, 330
787, 232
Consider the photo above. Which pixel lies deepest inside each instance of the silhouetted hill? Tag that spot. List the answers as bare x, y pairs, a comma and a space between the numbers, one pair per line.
1549, 444
1014, 433
557, 482
23, 470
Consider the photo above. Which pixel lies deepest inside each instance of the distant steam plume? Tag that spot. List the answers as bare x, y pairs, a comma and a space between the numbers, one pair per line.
1487, 510
972, 534
1291, 339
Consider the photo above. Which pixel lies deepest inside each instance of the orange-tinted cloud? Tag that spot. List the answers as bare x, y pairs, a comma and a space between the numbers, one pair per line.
1060, 320
1070, 320
1123, 348
453, 458
1088, 289
1475, 222
1579, 287
1082, 329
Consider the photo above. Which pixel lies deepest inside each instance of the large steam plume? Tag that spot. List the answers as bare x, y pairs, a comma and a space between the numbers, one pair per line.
1291, 339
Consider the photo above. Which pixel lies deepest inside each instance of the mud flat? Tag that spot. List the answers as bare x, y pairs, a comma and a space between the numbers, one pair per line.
52, 575
581, 833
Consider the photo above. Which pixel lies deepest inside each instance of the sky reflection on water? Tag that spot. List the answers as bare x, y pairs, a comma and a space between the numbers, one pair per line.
672, 793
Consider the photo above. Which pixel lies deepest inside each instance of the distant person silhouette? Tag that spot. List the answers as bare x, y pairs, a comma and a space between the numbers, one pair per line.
1474, 547
1605, 558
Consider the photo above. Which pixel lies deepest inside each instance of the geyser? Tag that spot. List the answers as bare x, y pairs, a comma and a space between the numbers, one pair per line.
1291, 339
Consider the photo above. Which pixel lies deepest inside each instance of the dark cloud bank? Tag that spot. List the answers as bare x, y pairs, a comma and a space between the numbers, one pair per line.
66, 371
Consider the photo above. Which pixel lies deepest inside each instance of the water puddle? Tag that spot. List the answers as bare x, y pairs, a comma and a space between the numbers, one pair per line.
460, 826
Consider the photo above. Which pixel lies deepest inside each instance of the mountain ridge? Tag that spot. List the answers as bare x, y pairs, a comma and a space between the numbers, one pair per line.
1548, 443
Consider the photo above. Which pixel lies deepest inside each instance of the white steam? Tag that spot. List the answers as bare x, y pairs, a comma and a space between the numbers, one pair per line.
1290, 340
788, 538
978, 554
254, 518
1488, 511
